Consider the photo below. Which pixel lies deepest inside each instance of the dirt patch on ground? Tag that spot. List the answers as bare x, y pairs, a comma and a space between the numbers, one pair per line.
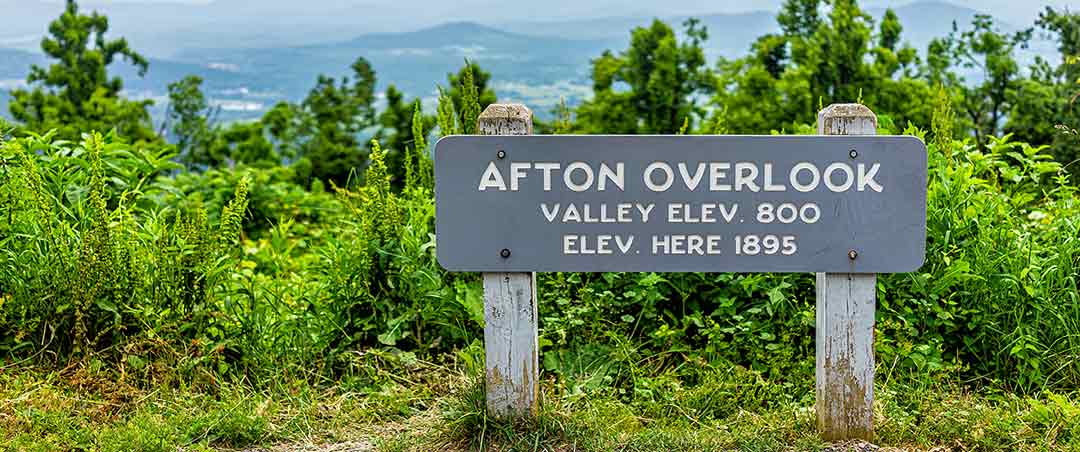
863, 446
350, 446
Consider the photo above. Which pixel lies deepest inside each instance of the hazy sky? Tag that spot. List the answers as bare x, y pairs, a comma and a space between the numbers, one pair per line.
1012, 10
164, 27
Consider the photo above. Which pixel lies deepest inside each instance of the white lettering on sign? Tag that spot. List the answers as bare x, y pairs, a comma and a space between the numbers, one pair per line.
848, 177
692, 181
769, 185
596, 212
745, 174
601, 244
492, 178
701, 213
583, 168
717, 173
676, 204
689, 244
805, 167
659, 176
617, 177
547, 168
866, 178
650, 172
517, 171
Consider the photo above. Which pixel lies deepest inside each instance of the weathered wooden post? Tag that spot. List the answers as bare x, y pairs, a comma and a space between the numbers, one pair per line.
845, 319
510, 327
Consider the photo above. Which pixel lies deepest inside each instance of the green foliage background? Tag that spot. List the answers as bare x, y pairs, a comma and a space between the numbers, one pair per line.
288, 249
105, 254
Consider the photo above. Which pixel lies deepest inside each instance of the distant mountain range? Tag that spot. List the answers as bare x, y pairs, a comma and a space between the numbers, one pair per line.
534, 62
226, 87
730, 35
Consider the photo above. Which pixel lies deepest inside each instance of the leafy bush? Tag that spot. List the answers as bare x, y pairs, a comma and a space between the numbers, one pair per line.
86, 265
998, 294
383, 284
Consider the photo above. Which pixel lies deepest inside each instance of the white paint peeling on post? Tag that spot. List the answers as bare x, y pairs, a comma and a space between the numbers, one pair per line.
845, 320
510, 321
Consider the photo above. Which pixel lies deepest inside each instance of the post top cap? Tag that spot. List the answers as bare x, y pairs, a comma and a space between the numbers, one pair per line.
506, 111
847, 111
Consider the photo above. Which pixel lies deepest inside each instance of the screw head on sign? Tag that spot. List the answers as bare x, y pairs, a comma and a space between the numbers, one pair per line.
852, 254
853, 153
501, 154
505, 253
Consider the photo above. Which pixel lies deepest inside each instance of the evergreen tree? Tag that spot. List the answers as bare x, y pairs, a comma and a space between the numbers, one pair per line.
991, 52
187, 119
329, 122
75, 94
1053, 114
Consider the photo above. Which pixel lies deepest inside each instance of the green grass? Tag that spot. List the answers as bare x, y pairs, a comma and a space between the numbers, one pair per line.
50, 411
83, 409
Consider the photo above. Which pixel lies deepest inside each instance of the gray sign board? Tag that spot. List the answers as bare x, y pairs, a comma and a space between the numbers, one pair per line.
837, 204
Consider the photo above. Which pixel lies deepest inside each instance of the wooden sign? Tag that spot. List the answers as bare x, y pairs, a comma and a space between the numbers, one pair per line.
851, 204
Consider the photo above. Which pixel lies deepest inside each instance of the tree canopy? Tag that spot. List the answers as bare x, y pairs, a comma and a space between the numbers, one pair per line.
662, 78
76, 93
819, 59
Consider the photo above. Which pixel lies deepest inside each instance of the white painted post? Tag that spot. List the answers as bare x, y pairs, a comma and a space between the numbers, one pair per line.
510, 322
845, 320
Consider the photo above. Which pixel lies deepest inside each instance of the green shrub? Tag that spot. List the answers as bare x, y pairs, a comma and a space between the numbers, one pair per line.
998, 293
382, 283
86, 267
